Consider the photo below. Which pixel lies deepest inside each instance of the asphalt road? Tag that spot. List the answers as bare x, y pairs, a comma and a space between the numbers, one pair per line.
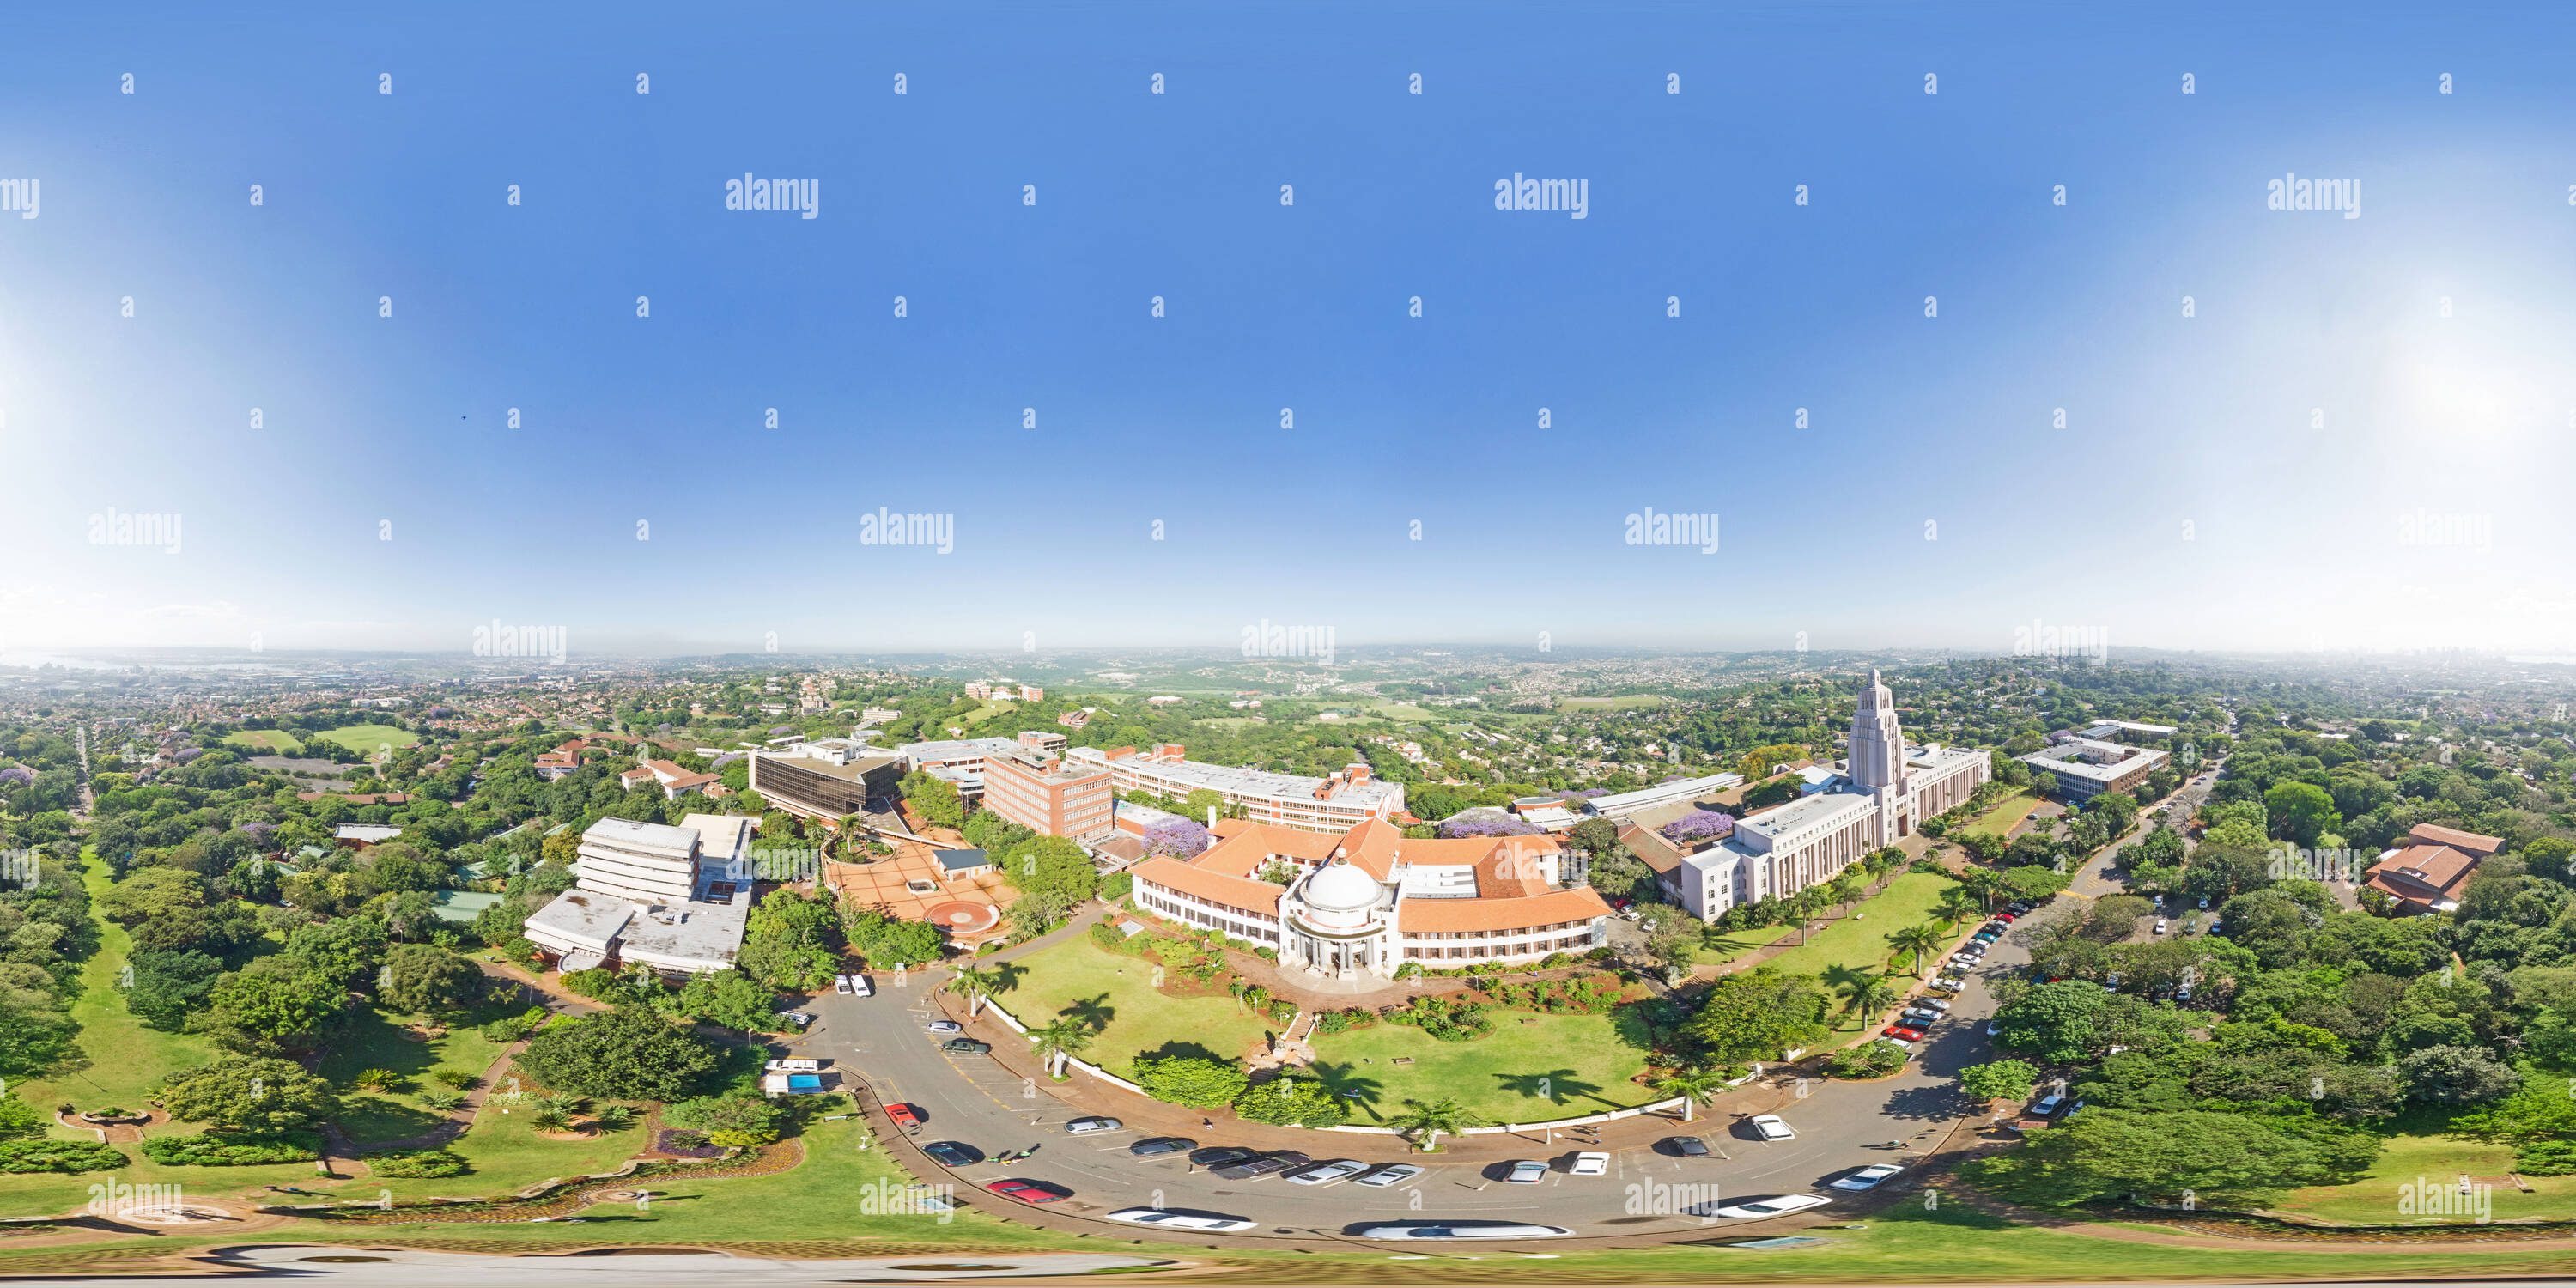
971, 1098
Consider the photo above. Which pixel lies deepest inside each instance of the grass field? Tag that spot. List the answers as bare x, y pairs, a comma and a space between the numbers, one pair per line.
1119, 990
365, 738
1531, 1068
2003, 814
1859, 942
276, 742
1624, 702
2421, 1152
118, 1059
376, 1040
1726, 946
1394, 710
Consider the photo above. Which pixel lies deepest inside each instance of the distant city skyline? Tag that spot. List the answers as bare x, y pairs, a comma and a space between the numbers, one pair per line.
2284, 370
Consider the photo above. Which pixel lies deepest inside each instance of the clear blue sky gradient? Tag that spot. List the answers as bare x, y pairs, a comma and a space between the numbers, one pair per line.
2296, 534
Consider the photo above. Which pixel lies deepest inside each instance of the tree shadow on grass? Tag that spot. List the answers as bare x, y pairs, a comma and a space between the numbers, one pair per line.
1554, 1086
1346, 1080
1183, 1051
1093, 1011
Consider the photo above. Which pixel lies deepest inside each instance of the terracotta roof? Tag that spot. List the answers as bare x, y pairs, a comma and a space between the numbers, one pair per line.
1651, 849
1416, 916
1242, 893
2469, 842
2424, 873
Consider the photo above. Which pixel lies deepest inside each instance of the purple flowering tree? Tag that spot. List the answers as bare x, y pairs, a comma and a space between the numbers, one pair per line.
1178, 839
1697, 826
1486, 822
19, 774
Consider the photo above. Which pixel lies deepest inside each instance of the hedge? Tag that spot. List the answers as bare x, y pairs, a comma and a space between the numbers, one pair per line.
231, 1151
20, 1156
417, 1164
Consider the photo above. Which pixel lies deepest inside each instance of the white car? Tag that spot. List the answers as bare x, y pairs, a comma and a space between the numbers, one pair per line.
1950, 982
859, 985
1770, 1127
840, 983
944, 1026
1923, 1013
1527, 1171
1465, 1230
1329, 1172
2160, 925
1868, 1178
1781, 1205
1386, 1174
1090, 1123
1170, 1220
1941, 1004
1591, 1165
1900, 1044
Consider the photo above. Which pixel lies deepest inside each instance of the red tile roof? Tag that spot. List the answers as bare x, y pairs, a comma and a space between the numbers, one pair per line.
2469, 842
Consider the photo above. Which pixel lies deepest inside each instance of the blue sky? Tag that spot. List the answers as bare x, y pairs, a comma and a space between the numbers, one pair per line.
2303, 530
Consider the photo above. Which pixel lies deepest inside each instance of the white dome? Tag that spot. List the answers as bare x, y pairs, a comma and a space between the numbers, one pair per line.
1340, 887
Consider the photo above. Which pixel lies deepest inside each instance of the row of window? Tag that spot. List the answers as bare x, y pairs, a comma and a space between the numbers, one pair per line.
1487, 950
1495, 934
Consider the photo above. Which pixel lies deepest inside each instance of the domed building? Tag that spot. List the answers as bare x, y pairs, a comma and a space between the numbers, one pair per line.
1358, 906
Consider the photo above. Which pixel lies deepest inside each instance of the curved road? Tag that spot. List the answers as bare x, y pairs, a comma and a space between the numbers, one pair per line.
976, 1100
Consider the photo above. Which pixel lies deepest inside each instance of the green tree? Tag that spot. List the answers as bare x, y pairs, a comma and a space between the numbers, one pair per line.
1061, 1041
1425, 1122
975, 984
344, 950
1702, 1085
2106, 1153
1867, 996
426, 979
2454, 1075
740, 1118
1192, 1081
2052, 1023
625, 1054
170, 985
935, 799
1918, 940
1291, 1101
266, 1008
250, 1095
1999, 1080
1756, 1014
729, 998
2301, 812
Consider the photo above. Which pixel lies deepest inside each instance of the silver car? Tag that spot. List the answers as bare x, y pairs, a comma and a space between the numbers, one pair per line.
1386, 1174
1329, 1172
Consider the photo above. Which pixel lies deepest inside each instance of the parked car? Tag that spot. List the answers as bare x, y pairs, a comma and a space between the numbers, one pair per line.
2183, 994
2160, 925
859, 985
1385, 1174
1941, 1004
965, 1046
1772, 1127
2046, 1105
1950, 982
1090, 1123
1329, 1172
1922, 1015
1029, 1191
1906, 1032
1688, 1146
1590, 1164
1868, 1178
1901, 1045
2010, 915
1157, 1146
1170, 1220
1526, 1171
1779, 1205
944, 1026
1464, 1230
955, 1153
1215, 1156
1261, 1165
840, 983
903, 1115
1994, 1027
795, 1019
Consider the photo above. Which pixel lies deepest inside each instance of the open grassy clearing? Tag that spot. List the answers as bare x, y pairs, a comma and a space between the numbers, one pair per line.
2000, 817
2420, 1151
366, 738
1531, 1068
268, 741
1118, 991
1858, 942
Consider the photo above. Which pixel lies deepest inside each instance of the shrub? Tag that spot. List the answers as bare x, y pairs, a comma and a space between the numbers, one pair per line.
2547, 1158
378, 1080
1867, 1060
442, 1099
598, 982
1115, 885
222, 1150
461, 1079
417, 1164
1344, 1020
24, 1156
1444, 1018
512, 1028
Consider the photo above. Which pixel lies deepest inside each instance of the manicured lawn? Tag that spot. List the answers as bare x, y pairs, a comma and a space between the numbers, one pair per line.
2423, 1154
365, 738
1580, 1063
272, 741
118, 1059
376, 1039
1118, 990
1859, 942
1726, 946
2000, 817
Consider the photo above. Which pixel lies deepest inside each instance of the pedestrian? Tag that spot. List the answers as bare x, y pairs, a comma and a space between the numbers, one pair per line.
1208, 1123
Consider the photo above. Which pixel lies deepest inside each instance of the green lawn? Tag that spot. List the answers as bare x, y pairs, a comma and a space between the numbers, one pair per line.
1118, 990
1581, 1063
274, 742
117, 1059
1726, 946
375, 1039
2423, 1153
1859, 942
366, 738
2002, 815
1394, 710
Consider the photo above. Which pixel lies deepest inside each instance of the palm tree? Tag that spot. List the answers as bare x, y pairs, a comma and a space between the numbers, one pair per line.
1846, 888
1956, 901
974, 983
1426, 1123
1702, 1085
1917, 940
550, 1119
1867, 996
1805, 905
614, 1118
1059, 1042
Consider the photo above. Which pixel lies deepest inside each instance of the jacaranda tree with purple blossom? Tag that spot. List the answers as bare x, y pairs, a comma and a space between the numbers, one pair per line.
1178, 839
1697, 826
1486, 822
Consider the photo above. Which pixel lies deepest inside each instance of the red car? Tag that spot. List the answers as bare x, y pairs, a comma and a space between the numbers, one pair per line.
1027, 1191
1905, 1031
2007, 916
903, 1116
